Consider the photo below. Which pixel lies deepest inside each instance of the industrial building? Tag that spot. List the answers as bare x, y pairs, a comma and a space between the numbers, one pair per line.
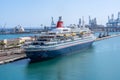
113, 22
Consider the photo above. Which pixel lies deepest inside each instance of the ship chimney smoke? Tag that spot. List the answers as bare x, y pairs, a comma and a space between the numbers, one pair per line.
60, 22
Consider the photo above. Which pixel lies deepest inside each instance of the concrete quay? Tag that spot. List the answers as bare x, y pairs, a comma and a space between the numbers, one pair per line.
11, 55
11, 58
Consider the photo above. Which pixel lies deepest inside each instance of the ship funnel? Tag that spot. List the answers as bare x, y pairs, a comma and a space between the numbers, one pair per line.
60, 22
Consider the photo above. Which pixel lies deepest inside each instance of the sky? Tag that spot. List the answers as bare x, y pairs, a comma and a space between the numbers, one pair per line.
33, 13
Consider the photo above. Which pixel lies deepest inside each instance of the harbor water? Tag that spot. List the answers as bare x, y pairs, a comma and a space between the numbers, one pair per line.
100, 62
12, 36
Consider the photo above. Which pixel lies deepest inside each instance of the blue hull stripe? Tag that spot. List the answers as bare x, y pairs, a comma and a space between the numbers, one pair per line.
41, 55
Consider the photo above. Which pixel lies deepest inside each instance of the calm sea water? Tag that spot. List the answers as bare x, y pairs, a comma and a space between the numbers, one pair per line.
12, 36
99, 62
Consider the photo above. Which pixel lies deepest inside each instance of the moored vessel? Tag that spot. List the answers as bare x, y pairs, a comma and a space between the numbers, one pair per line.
59, 41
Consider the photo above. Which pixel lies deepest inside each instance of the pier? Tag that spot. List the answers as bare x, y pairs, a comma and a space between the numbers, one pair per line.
11, 55
107, 37
11, 58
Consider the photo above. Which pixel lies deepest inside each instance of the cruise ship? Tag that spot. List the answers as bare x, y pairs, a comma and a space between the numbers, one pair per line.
59, 41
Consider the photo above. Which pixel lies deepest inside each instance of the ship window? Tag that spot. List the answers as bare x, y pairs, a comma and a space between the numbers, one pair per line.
65, 29
41, 44
52, 33
47, 37
42, 39
35, 43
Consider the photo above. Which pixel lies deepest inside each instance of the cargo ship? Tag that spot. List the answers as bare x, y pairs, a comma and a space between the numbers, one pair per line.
59, 41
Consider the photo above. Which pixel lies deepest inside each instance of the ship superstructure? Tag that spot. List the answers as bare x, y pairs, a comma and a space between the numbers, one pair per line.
59, 41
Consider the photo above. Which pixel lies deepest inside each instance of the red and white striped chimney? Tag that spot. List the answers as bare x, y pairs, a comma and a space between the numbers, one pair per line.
60, 23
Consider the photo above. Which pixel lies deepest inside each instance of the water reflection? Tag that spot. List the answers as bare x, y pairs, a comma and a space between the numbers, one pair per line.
61, 68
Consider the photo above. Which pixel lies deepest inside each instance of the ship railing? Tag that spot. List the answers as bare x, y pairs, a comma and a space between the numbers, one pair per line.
76, 41
50, 47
